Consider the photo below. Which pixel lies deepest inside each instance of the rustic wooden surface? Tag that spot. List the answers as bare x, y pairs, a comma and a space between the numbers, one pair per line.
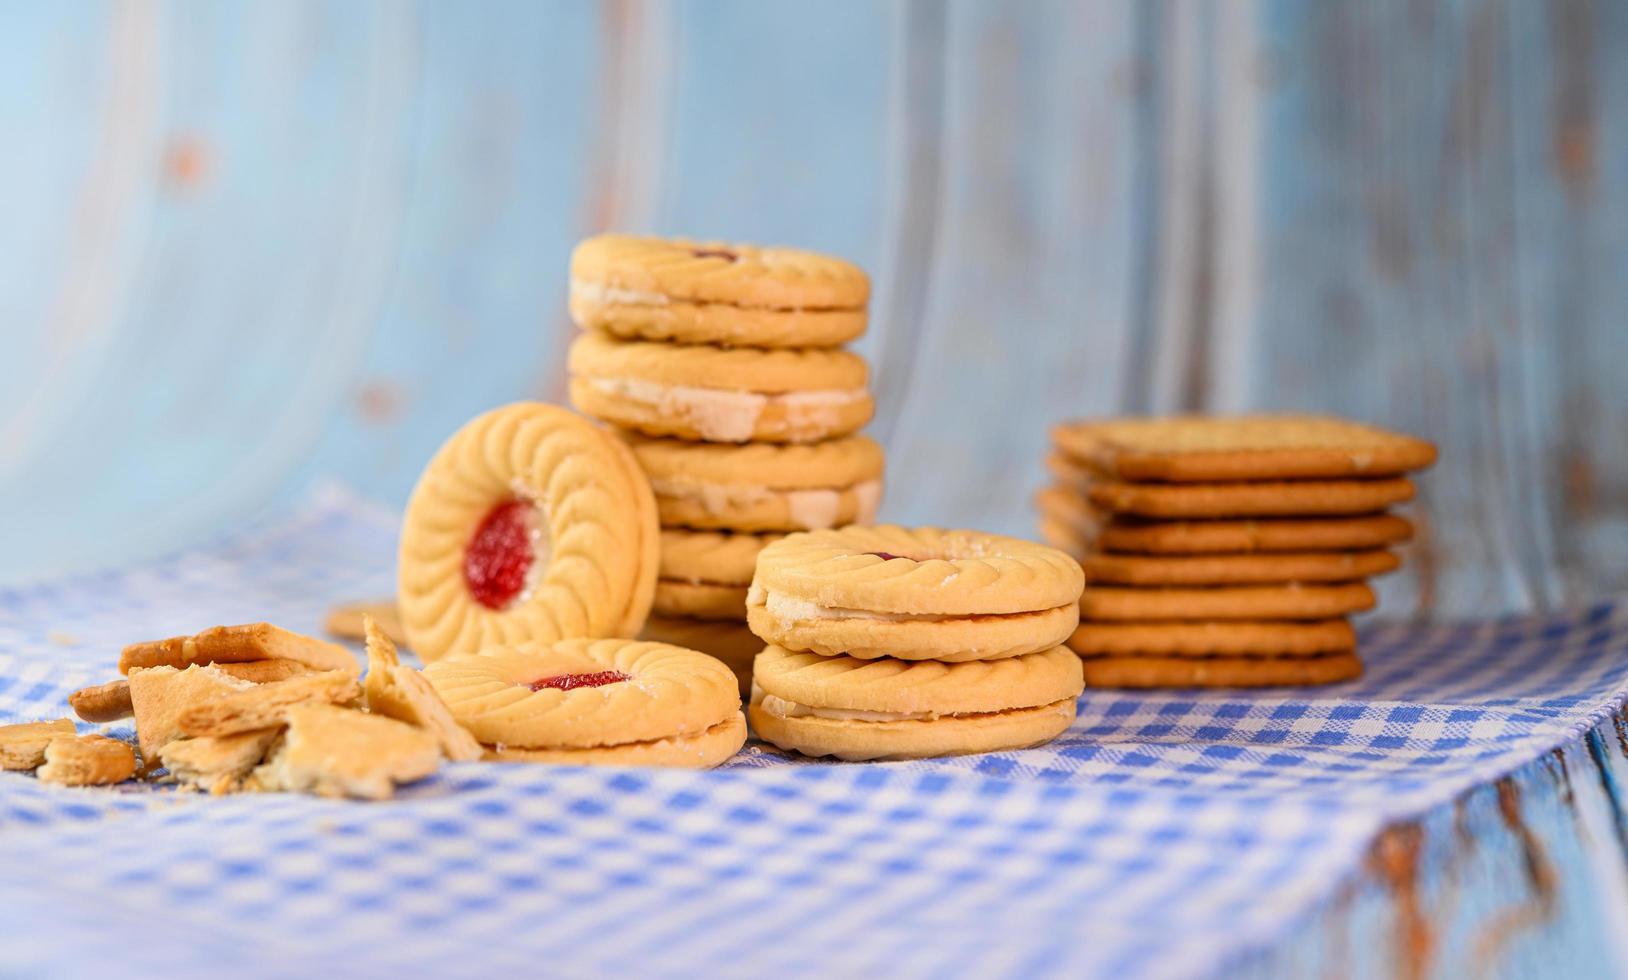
251, 245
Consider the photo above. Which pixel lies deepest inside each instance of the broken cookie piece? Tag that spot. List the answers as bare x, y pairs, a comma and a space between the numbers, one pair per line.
102, 703
87, 760
348, 621
22, 746
264, 706
331, 751
236, 644
159, 695
217, 763
397, 691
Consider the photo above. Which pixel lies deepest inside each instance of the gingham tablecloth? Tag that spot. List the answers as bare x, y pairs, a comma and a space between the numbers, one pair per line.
1163, 835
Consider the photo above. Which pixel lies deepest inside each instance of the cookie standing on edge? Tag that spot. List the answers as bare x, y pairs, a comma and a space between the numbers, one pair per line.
595, 702
914, 594
530, 523
893, 709
716, 293
718, 394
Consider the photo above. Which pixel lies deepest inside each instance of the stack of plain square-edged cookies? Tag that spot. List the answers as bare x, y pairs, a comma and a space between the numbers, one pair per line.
1226, 551
723, 367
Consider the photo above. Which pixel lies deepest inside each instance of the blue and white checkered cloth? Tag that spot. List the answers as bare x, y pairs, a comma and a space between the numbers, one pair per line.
1166, 834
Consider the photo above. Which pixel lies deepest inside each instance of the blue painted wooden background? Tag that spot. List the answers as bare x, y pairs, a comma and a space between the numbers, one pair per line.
250, 245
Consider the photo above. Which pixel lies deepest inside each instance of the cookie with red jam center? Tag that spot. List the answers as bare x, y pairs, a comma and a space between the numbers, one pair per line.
610, 702
529, 524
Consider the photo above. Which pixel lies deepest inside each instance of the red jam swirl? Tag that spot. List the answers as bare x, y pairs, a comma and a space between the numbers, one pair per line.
884, 555
570, 682
499, 555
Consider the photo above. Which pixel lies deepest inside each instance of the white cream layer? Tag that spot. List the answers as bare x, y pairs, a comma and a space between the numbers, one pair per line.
598, 292
812, 510
725, 415
781, 708
792, 610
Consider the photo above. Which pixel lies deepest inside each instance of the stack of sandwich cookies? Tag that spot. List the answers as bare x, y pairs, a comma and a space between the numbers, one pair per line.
891, 643
722, 368
1226, 551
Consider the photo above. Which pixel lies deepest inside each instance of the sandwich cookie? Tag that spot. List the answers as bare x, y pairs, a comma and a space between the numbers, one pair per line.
1202, 449
1327, 668
719, 394
712, 293
894, 709
731, 642
1292, 601
913, 594
704, 574
530, 523
595, 702
1204, 639
761, 486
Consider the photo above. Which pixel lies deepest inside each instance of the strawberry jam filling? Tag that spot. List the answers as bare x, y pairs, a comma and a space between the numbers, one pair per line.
499, 555
570, 682
715, 253
884, 555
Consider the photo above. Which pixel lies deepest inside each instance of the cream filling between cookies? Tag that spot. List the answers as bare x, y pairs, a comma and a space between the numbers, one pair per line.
598, 292
781, 708
728, 415
810, 509
790, 609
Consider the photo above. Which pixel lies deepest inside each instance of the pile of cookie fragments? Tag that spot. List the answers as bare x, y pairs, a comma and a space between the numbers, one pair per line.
251, 707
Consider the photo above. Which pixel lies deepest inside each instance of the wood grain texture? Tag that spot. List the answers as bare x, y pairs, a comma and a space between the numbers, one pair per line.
252, 246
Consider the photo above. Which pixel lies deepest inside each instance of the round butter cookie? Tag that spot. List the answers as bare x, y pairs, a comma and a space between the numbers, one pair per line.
913, 594
715, 293
704, 574
585, 694
719, 394
761, 486
703, 750
530, 523
732, 643
894, 709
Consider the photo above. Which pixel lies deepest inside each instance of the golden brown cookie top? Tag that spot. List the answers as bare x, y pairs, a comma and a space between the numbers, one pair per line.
595, 355
584, 693
770, 277
901, 570
1247, 447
